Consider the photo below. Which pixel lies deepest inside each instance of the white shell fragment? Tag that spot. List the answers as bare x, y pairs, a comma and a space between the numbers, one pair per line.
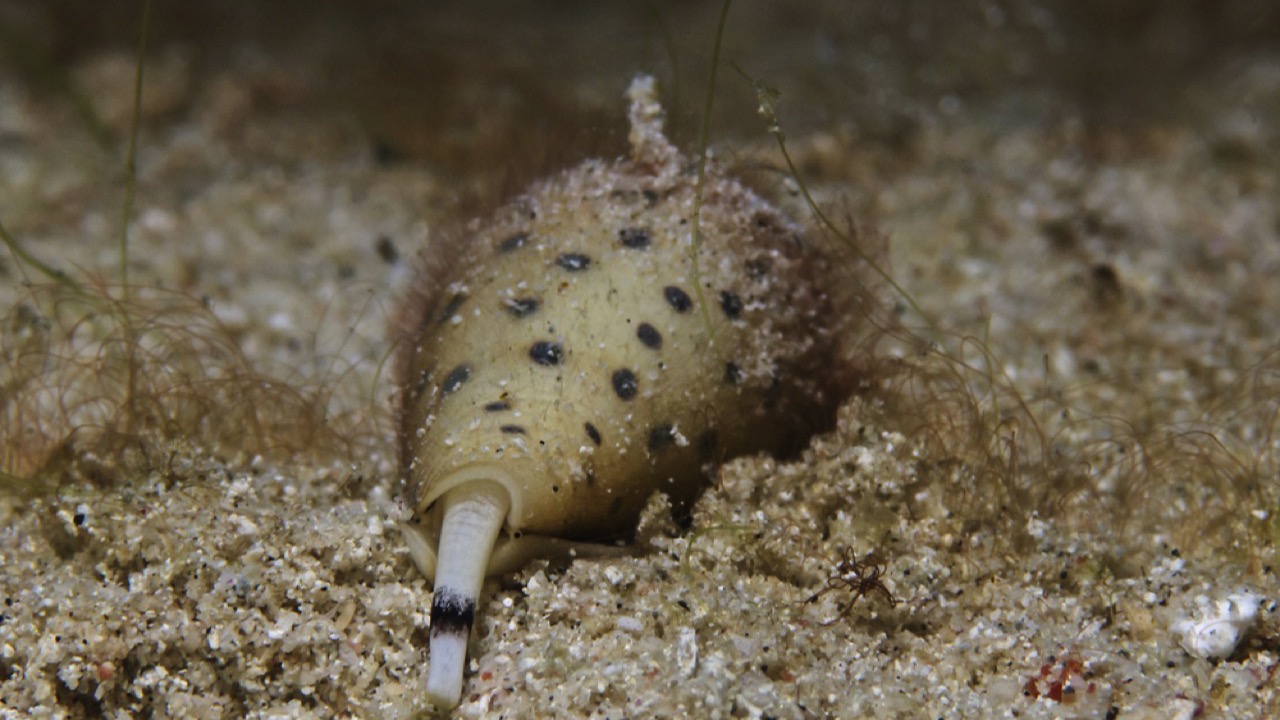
1218, 629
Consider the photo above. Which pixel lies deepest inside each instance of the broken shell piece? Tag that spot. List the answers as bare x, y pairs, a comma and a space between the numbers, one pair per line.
1217, 632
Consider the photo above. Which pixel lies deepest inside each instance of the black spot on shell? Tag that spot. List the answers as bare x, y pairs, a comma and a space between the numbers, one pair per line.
386, 250
593, 433
512, 429
497, 406
625, 383
522, 307
573, 262
454, 379
731, 304
732, 373
661, 436
514, 242
451, 308
677, 298
649, 335
634, 238
545, 352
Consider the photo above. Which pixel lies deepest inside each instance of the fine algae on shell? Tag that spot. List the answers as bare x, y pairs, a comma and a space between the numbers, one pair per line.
584, 348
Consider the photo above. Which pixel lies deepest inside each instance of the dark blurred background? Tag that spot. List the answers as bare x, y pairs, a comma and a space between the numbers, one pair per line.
438, 81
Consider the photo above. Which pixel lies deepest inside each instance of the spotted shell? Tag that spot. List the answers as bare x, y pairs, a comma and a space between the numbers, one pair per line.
615, 331
587, 350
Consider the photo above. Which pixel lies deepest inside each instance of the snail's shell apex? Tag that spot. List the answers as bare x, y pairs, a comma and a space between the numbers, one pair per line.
575, 353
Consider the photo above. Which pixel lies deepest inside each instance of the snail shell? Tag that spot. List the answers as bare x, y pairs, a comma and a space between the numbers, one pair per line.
574, 360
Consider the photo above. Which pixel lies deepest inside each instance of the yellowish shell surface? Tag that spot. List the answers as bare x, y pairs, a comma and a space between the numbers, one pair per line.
577, 355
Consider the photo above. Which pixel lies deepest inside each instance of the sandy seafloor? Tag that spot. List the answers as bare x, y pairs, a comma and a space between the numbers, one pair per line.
1086, 191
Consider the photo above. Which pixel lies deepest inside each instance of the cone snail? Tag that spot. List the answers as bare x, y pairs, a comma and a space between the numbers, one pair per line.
571, 359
